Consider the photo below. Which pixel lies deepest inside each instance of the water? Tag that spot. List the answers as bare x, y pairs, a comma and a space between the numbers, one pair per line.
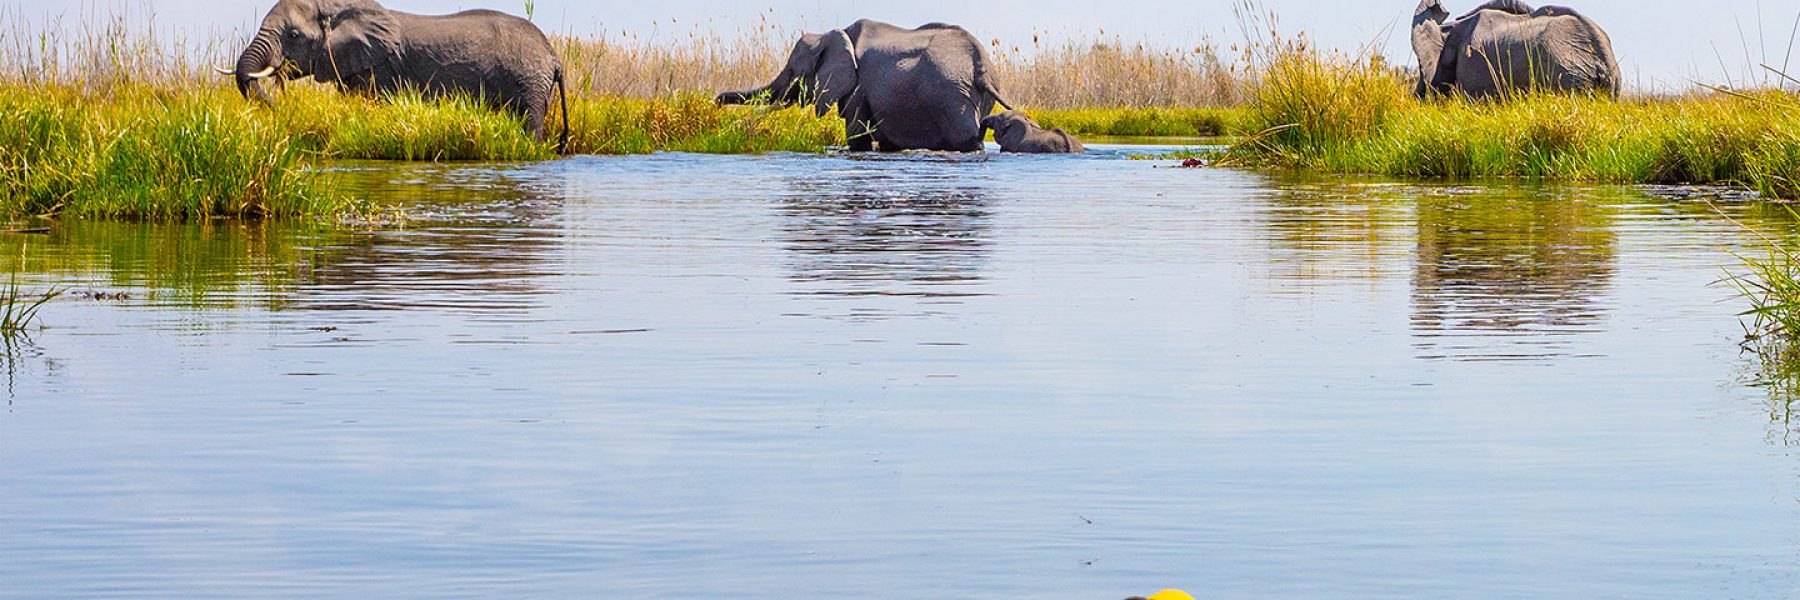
903, 377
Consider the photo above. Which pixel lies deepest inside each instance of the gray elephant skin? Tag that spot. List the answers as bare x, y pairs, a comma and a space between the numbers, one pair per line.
897, 89
1016, 132
503, 60
1504, 47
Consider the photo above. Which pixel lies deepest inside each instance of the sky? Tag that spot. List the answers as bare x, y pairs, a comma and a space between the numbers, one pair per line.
1661, 44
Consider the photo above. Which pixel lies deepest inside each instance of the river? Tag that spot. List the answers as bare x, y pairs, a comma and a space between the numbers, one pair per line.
903, 377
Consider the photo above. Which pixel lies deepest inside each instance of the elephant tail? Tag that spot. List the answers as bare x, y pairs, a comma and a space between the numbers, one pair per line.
988, 87
562, 89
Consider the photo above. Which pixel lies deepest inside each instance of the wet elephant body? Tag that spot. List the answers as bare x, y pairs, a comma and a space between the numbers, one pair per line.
1016, 132
897, 89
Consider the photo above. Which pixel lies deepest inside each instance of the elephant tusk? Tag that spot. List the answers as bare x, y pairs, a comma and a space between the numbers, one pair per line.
225, 71
263, 74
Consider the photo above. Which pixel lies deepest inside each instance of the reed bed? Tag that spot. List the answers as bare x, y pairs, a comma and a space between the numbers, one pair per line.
1115, 74
145, 153
1165, 122
119, 122
1342, 113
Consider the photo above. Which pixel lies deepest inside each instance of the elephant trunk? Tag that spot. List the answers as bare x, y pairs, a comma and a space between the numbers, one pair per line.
780, 92
741, 97
256, 63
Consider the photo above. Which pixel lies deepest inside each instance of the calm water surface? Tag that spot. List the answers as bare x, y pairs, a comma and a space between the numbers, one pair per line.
902, 377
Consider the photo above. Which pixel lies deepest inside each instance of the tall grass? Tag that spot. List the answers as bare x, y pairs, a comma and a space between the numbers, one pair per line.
1348, 114
1111, 73
142, 153
119, 122
1772, 281
1144, 122
19, 308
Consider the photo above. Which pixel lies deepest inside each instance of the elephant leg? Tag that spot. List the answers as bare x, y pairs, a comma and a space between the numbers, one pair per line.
534, 120
859, 132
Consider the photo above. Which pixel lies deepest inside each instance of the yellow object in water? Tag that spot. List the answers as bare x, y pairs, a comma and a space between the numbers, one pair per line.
1171, 595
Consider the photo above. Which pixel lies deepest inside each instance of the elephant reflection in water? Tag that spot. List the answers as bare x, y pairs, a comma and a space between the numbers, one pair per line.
1528, 267
1494, 273
886, 235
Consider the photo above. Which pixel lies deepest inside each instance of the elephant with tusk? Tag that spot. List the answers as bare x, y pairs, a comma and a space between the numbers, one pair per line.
897, 89
1016, 132
1504, 47
502, 60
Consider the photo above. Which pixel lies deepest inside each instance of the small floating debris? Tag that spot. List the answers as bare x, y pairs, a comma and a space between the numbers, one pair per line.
610, 332
103, 296
1194, 163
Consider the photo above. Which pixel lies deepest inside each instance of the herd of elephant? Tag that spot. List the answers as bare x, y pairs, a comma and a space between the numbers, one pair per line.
926, 88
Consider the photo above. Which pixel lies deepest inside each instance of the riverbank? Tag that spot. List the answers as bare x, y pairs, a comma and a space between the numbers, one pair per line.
157, 152
1330, 113
134, 131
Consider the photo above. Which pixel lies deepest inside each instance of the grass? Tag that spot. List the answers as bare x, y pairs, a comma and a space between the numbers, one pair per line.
143, 153
19, 309
118, 123
1336, 113
1772, 283
153, 152
1144, 122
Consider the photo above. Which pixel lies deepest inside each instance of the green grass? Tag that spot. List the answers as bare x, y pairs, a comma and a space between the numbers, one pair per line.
138, 153
1336, 114
695, 123
412, 128
19, 308
156, 152
1144, 122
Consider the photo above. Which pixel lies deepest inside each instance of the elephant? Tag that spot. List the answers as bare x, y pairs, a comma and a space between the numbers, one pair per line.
897, 89
1016, 132
1504, 47
502, 60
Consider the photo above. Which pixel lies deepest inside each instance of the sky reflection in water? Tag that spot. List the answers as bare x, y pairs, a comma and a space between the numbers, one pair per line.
908, 377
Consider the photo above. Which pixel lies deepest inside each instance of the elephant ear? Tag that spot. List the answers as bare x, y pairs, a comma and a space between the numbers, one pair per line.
1432, 10
359, 37
1517, 7
836, 71
1428, 41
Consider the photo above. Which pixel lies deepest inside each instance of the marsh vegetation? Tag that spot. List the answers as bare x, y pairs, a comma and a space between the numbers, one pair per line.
115, 122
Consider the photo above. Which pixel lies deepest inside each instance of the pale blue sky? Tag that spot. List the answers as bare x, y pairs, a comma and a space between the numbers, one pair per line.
1658, 41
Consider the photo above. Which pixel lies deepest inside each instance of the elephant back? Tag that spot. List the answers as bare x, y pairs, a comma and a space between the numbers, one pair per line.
1581, 48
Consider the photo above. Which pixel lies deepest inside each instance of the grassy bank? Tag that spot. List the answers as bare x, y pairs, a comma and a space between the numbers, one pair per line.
412, 128
158, 152
119, 123
147, 154
1144, 122
1315, 110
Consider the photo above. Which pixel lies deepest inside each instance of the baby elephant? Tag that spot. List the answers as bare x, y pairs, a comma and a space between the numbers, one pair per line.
1018, 133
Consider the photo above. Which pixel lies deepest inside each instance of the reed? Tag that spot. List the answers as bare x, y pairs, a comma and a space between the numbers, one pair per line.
19, 308
1110, 73
1178, 122
115, 121
1772, 286
1348, 114
142, 153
